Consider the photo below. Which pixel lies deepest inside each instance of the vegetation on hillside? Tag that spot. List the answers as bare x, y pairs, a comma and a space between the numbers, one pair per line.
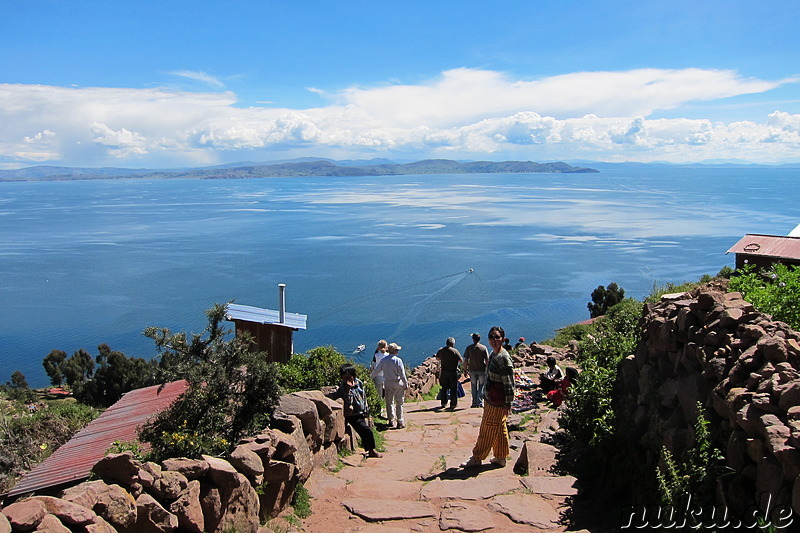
775, 291
28, 435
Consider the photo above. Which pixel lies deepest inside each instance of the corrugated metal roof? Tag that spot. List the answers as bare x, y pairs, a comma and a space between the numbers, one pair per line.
73, 461
768, 246
265, 316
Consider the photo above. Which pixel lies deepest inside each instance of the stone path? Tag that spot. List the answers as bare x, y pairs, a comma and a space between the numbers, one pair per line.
419, 486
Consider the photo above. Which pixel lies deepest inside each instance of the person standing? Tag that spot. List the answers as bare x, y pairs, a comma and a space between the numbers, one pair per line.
449, 358
493, 433
395, 384
351, 391
476, 357
380, 352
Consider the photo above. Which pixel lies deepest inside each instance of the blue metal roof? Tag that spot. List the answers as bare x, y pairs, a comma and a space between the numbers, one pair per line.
264, 316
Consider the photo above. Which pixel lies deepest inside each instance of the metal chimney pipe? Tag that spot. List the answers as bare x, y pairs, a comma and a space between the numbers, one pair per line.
282, 302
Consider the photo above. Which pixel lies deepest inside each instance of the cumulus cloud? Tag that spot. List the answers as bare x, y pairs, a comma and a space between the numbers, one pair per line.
466, 113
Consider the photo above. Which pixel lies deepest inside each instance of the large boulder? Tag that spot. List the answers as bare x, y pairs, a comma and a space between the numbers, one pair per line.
25, 515
305, 410
188, 509
152, 517
112, 502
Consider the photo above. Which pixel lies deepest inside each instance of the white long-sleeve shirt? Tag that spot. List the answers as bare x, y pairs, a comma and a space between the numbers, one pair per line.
394, 373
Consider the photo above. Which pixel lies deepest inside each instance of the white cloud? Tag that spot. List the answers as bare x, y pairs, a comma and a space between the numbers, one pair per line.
209, 80
465, 113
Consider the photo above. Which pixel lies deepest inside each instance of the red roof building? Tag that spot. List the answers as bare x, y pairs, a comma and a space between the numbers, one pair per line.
765, 250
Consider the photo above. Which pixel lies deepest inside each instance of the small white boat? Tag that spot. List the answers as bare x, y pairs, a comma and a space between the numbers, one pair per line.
360, 348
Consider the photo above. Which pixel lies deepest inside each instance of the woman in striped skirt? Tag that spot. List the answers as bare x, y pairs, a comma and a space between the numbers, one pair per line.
498, 395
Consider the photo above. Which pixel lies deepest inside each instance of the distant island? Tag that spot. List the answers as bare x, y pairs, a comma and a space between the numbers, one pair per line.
296, 168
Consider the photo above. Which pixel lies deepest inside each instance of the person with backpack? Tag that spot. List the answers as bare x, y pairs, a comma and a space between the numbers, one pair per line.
351, 391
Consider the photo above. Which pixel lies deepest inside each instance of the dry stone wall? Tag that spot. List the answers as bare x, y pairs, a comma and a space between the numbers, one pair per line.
713, 347
256, 482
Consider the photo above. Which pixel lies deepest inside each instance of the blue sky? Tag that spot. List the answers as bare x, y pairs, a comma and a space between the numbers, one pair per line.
177, 83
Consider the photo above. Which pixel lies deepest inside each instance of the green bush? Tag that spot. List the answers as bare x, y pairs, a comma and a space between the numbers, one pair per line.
589, 415
775, 291
319, 367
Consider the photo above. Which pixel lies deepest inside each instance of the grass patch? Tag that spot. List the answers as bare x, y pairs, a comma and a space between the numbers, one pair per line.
433, 393
380, 440
301, 502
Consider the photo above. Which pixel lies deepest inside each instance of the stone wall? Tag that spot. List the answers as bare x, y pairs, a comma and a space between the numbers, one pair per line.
712, 347
211, 494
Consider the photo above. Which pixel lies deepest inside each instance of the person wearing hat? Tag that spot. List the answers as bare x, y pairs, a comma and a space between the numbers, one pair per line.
520, 344
476, 357
395, 384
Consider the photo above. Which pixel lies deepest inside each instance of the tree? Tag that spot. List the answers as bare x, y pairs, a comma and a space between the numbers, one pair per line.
103, 384
604, 299
231, 391
54, 366
18, 380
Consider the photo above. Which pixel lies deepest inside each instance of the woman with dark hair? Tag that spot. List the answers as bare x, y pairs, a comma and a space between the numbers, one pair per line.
351, 391
498, 395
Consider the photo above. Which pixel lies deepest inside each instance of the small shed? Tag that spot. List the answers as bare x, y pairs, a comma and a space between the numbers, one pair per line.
271, 330
765, 250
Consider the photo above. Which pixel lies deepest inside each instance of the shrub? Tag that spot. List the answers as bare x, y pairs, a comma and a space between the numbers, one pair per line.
775, 292
319, 367
589, 415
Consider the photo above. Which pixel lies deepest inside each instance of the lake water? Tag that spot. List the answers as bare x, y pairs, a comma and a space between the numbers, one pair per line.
90, 262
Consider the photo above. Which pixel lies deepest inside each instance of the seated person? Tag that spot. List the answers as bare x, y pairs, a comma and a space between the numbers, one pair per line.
550, 379
558, 395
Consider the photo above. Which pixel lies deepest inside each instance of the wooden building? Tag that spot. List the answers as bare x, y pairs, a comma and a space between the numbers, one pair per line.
765, 250
271, 330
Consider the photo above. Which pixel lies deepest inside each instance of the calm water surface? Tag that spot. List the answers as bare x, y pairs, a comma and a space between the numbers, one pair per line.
88, 262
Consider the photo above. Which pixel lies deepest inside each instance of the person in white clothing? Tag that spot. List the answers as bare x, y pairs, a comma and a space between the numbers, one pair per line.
381, 351
395, 384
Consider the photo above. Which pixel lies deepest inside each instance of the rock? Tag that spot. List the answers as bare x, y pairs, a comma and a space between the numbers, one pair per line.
67, 512
330, 412
529, 509
120, 467
240, 508
303, 456
191, 468
25, 515
188, 509
100, 526
5, 525
278, 471
152, 517
469, 489
306, 411
170, 485
221, 472
51, 524
285, 445
246, 461
374, 510
465, 517
112, 502
211, 505
536, 458
555, 485
773, 349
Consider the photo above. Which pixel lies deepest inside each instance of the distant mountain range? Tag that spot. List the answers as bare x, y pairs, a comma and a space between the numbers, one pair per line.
295, 168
